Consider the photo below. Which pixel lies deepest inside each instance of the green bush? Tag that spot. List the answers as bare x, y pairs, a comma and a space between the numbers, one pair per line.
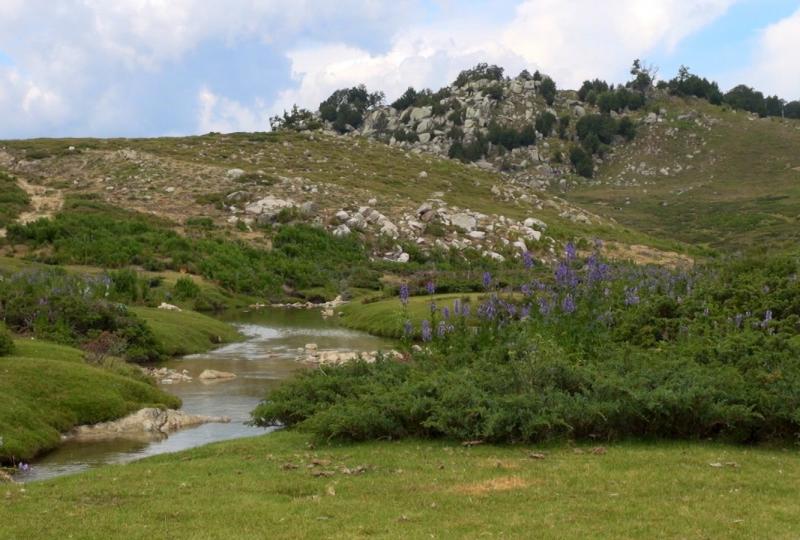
13, 199
186, 289
479, 72
6, 341
545, 122
582, 161
548, 90
592, 352
72, 310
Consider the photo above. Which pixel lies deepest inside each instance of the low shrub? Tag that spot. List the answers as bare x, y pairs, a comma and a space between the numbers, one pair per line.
6, 341
593, 351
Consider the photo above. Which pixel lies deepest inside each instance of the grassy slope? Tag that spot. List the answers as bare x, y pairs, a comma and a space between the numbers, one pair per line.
350, 171
186, 332
386, 317
248, 489
46, 389
13, 200
743, 188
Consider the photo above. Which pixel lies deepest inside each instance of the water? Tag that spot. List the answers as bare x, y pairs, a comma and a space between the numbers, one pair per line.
268, 356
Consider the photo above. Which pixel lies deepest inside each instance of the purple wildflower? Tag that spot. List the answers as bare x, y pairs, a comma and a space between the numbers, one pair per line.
441, 329
570, 251
544, 307
487, 280
408, 329
430, 287
631, 297
525, 311
446, 313
457, 307
427, 335
527, 260
568, 304
526, 289
404, 294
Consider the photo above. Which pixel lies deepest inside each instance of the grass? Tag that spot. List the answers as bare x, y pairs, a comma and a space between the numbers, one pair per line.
741, 186
13, 199
269, 486
47, 389
386, 317
186, 332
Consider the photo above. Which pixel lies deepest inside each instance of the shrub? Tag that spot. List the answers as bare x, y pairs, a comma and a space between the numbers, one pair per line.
548, 90
406, 100
296, 120
6, 341
346, 107
186, 289
73, 310
13, 199
601, 126
746, 98
479, 72
591, 351
687, 84
495, 91
627, 128
582, 161
509, 137
545, 122
563, 126
597, 86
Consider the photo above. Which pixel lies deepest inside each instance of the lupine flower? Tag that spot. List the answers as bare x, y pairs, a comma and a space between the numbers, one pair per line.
544, 307
457, 307
427, 335
488, 310
568, 304
570, 251
487, 280
441, 329
631, 297
433, 307
430, 287
446, 313
527, 260
465, 310
408, 329
526, 289
404, 294
525, 311
565, 277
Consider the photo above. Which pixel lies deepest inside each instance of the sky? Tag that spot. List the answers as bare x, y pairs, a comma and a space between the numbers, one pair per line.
127, 68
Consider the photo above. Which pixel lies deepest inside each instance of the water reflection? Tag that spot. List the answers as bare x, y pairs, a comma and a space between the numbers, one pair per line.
268, 356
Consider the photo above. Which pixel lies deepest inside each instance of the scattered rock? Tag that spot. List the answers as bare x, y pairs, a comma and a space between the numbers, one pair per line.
212, 375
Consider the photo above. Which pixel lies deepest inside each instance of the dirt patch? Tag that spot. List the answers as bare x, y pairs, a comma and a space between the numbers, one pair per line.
505, 483
640, 254
44, 202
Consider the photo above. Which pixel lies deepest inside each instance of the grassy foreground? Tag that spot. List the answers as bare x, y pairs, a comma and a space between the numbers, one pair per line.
277, 486
186, 332
46, 389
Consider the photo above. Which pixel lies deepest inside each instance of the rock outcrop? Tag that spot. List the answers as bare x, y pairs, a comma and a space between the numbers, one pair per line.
144, 423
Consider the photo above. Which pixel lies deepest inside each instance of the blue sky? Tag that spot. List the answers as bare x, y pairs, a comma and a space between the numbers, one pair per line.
168, 67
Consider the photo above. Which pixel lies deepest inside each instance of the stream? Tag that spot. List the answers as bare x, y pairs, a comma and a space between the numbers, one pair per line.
268, 356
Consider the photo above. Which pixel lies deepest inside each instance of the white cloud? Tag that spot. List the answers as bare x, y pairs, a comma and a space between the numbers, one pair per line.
776, 65
571, 41
69, 54
223, 115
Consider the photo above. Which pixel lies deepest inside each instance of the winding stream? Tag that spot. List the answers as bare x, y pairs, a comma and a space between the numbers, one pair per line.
268, 356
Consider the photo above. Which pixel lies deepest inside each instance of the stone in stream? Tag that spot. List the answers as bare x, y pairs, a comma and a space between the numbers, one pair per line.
214, 375
145, 422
